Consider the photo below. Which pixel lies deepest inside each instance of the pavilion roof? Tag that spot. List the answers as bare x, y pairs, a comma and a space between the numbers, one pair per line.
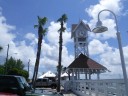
82, 61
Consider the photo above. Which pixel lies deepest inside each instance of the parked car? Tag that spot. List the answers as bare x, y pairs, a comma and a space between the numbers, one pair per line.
11, 85
7, 94
45, 82
22, 80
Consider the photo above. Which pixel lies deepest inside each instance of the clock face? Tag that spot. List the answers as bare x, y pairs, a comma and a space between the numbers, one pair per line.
81, 33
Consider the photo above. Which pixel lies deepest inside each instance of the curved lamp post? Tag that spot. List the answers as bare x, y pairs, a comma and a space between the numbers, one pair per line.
99, 29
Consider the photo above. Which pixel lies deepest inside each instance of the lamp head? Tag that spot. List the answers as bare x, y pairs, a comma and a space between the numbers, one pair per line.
99, 28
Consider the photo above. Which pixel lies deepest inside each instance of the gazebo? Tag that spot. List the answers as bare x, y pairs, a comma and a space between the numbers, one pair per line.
85, 65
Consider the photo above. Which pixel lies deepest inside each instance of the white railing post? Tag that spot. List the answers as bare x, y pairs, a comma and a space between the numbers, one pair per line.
98, 87
89, 86
105, 88
118, 91
85, 87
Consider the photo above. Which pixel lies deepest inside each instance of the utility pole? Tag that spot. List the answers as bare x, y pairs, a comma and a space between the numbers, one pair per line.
28, 66
6, 59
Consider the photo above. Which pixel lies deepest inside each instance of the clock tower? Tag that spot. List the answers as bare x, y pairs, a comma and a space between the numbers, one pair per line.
80, 35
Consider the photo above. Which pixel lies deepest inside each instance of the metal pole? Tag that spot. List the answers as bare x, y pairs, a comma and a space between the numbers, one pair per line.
28, 66
6, 59
120, 49
123, 62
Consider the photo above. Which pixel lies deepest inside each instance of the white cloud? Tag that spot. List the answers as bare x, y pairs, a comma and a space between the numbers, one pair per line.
32, 38
125, 51
96, 47
114, 5
110, 57
53, 34
50, 51
5, 30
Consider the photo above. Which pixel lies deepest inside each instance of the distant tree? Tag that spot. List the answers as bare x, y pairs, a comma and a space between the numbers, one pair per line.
19, 64
1, 48
41, 34
1, 69
62, 20
12, 63
15, 71
24, 73
15, 67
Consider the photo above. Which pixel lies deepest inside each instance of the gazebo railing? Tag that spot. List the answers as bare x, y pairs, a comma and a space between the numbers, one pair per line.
107, 87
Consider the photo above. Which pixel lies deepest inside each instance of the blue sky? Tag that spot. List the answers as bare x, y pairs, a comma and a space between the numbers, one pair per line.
17, 18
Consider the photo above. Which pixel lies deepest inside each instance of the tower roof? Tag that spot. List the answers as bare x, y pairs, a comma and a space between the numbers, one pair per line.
75, 26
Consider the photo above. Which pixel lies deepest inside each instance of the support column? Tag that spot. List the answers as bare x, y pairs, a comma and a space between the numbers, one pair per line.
86, 76
98, 76
89, 75
78, 74
73, 74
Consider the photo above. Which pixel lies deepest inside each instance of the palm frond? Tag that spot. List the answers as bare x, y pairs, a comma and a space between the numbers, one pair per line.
39, 19
44, 31
62, 29
59, 20
43, 21
64, 16
35, 26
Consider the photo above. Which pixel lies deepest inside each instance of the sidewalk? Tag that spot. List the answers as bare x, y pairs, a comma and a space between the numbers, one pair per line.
69, 93
44, 91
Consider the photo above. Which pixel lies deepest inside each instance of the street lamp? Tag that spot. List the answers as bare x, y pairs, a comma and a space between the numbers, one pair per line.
99, 29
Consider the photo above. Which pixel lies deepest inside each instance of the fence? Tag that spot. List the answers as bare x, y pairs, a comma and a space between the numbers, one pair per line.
107, 87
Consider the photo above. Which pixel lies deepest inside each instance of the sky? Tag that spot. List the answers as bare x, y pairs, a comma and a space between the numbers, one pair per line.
18, 17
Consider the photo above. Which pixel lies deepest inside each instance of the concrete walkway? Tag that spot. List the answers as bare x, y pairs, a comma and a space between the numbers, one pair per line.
42, 91
69, 93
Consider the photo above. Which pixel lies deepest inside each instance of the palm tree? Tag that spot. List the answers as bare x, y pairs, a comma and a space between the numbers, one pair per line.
41, 34
62, 20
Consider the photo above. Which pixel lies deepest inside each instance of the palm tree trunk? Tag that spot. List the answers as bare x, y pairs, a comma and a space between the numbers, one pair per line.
62, 29
59, 62
40, 37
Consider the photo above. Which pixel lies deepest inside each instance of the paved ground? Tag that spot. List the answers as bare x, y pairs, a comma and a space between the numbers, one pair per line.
68, 93
42, 91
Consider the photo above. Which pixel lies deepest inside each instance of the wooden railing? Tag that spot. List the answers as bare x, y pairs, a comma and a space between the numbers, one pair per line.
107, 87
